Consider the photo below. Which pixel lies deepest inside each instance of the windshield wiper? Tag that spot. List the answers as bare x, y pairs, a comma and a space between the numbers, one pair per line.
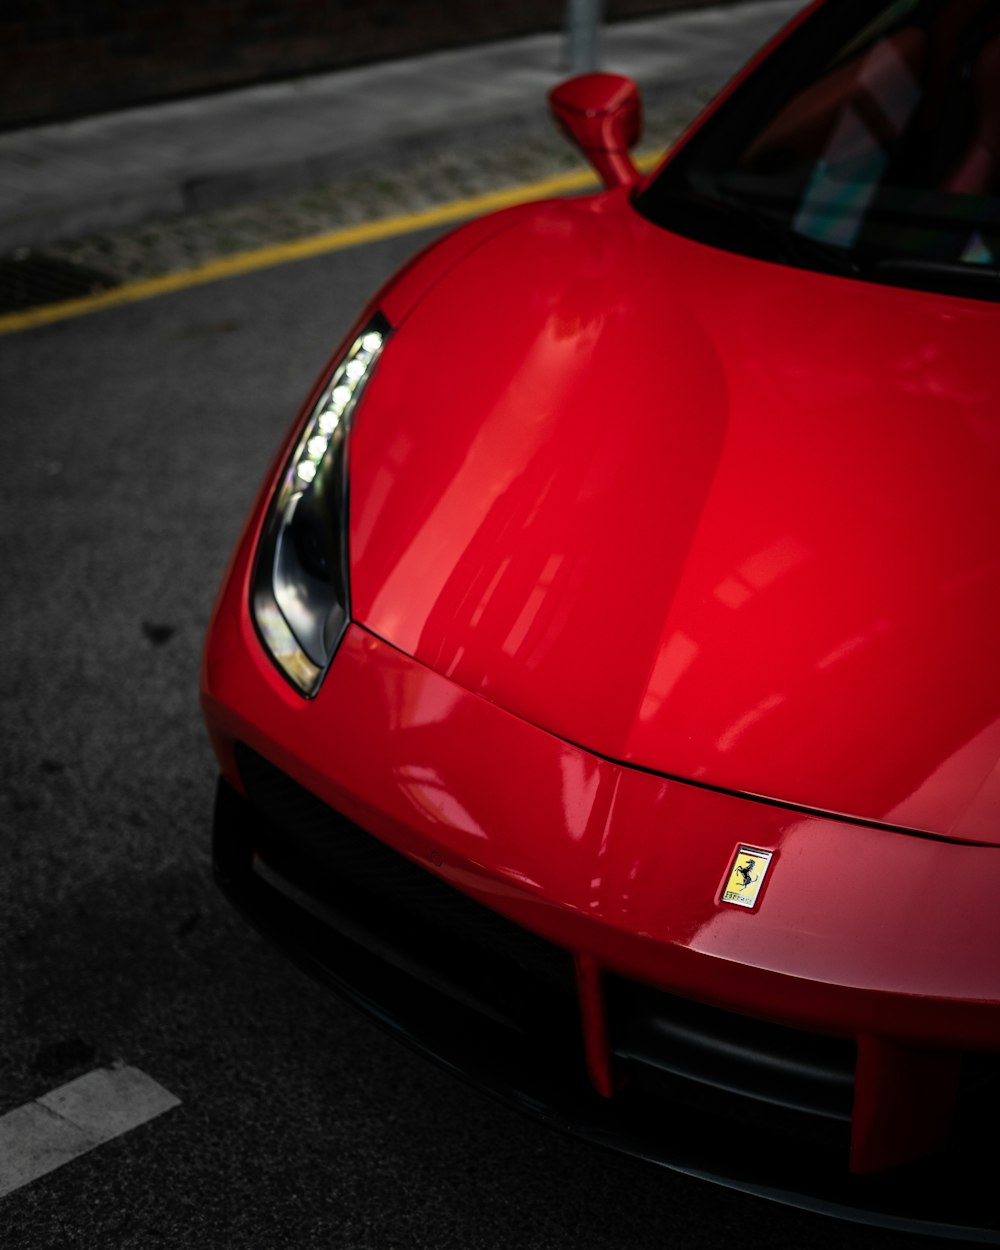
771, 239
943, 268
950, 276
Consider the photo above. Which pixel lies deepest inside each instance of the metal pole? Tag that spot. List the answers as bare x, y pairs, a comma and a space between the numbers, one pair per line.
583, 18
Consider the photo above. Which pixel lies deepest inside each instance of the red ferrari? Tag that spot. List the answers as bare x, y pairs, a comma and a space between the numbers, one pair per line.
605, 687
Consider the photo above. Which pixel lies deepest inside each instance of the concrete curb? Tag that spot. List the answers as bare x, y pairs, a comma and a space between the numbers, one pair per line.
61, 180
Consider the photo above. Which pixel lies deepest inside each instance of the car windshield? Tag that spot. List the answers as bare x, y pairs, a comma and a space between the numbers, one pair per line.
868, 144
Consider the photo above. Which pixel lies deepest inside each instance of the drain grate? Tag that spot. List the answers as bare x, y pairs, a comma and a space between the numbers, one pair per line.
30, 281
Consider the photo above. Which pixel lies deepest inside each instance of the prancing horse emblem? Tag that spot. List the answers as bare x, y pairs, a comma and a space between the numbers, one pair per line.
746, 874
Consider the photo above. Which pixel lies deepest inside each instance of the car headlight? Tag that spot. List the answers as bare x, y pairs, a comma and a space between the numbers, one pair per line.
301, 592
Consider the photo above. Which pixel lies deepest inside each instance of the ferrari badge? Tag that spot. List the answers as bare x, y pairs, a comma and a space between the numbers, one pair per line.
746, 876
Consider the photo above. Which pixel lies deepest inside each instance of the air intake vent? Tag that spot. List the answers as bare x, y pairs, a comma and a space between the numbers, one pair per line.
402, 912
734, 1065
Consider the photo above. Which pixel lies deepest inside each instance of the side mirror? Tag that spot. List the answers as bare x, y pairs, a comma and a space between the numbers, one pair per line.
602, 115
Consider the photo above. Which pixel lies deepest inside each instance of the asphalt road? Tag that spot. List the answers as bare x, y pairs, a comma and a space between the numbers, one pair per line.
131, 444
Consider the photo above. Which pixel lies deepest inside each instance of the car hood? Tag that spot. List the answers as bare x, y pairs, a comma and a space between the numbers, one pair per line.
703, 514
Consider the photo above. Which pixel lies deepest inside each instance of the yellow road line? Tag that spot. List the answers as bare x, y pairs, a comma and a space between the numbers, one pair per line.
302, 249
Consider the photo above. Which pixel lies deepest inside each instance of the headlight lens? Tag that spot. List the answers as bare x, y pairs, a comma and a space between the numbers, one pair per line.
301, 592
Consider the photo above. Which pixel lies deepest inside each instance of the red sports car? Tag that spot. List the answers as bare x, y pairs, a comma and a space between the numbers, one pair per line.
606, 686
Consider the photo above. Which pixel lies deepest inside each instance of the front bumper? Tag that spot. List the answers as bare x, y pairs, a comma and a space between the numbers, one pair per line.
607, 989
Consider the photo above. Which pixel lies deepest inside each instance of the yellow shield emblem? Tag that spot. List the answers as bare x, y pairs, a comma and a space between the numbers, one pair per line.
746, 876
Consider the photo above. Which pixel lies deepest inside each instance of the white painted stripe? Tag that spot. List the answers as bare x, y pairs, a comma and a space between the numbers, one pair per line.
74, 1119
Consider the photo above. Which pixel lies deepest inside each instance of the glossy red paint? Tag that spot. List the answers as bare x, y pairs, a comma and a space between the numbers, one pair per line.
625, 869
657, 551
619, 864
614, 861
602, 115
713, 516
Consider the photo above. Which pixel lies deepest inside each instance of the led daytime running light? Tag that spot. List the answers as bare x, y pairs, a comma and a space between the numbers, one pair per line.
331, 409
301, 619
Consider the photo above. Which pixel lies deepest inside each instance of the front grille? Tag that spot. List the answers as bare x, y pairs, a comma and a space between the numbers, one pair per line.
498, 1004
728, 1065
403, 912
731, 1065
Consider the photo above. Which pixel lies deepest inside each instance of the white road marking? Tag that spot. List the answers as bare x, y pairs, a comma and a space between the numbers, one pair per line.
74, 1119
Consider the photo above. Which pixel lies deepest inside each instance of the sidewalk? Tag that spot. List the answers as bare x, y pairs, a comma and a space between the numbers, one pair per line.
62, 180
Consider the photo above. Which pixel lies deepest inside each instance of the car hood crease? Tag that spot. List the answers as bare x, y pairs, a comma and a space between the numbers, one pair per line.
693, 512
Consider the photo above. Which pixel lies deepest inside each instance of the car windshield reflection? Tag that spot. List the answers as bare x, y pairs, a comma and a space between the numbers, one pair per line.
881, 160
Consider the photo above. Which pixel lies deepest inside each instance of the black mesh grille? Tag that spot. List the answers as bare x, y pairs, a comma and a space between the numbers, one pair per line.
403, 912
